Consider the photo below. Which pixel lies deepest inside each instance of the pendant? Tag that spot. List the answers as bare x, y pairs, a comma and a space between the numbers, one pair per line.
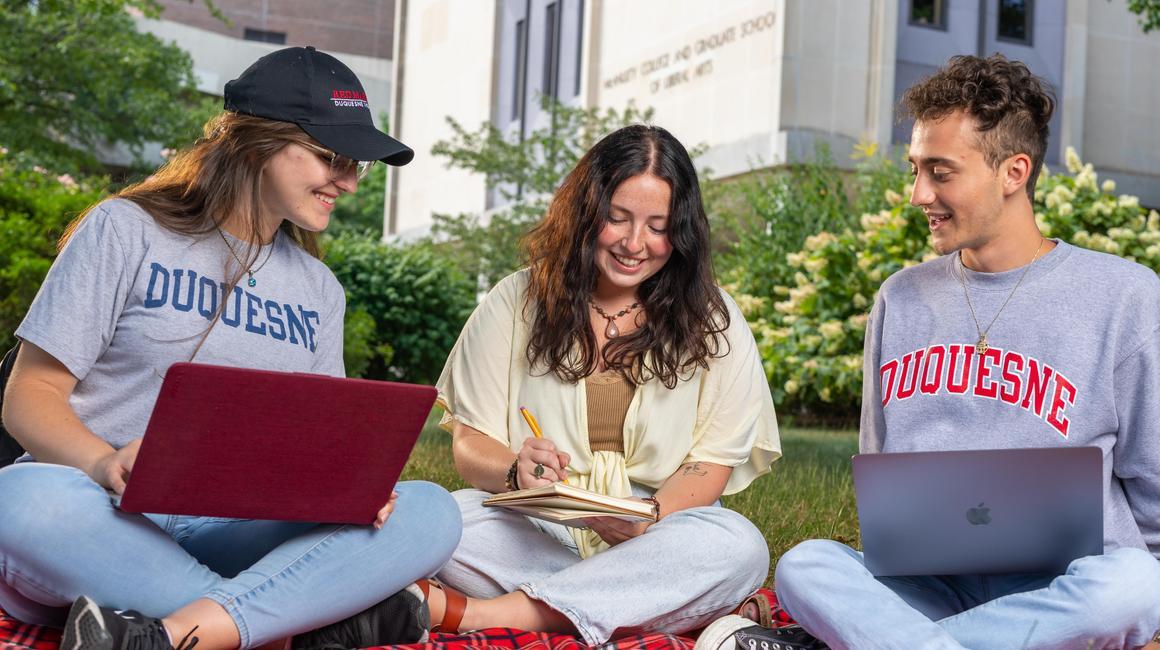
981, 346
611, 331
252, 282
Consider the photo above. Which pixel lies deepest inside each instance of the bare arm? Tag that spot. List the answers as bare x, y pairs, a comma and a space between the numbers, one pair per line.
39, 417
484, 461
692, 485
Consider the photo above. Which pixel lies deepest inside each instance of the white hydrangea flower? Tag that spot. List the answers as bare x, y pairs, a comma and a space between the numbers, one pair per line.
1108, 186
816, 265
1074, 164
792, 387
831, 329
1129, 201
1086, 178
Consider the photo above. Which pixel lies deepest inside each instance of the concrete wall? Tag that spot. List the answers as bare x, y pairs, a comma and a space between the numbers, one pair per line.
712, 71
838, 75
218, 59
1121, 123
355, 26
445, 62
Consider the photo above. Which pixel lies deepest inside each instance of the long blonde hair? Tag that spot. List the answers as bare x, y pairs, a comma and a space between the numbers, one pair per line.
218, 177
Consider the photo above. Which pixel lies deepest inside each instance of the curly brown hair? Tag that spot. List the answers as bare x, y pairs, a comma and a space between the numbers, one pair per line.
685, 314
1010, 105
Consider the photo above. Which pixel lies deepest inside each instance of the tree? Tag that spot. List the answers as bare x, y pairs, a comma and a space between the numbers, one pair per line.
1148, 12
76, 74
525, 172
363, 210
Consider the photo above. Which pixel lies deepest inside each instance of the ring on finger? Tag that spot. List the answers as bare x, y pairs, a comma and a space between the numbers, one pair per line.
538, 471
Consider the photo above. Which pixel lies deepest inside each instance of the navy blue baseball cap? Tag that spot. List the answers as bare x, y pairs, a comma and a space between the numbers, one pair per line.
322, 96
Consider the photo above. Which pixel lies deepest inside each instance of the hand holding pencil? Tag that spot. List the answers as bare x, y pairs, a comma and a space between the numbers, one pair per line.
540, 463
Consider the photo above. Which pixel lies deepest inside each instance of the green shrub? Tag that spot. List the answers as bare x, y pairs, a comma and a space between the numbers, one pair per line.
761, 218
811, 339
415, 299
35, 207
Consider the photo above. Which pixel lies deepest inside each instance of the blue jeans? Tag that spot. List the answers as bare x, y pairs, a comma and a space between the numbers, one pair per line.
60, 537
1102, 601
688, 569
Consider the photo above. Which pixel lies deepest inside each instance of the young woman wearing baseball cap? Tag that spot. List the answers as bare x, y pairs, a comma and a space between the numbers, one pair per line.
211, 259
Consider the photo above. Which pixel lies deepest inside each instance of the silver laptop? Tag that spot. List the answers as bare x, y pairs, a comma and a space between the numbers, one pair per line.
987, 511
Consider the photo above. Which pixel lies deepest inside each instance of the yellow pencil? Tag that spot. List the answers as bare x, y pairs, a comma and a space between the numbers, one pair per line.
531, 420
535, 427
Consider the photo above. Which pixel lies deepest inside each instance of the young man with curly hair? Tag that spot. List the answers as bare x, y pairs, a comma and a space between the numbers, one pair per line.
1026, 310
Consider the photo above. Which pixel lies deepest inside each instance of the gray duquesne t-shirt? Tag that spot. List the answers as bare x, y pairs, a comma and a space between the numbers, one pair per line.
127, 298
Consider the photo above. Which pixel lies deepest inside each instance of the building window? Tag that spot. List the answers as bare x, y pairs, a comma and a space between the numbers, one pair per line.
551, 49
263, 36
579, 47
928, 13
520, 69
1015, 21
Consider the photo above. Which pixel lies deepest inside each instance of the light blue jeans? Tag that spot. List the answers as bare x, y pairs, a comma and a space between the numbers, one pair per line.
1101, 601
688, 569
60, 537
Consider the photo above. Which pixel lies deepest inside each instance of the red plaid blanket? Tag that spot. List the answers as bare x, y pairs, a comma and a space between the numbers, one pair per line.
21, 636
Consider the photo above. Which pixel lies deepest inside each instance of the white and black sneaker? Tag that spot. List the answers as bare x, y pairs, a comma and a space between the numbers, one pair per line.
740, 633
790, 637
92, 627
401, 618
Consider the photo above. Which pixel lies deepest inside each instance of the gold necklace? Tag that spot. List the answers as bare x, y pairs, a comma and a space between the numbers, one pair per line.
611, 331
251, 282
981, 346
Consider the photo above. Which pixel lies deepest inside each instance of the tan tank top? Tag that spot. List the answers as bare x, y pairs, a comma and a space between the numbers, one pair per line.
608, 398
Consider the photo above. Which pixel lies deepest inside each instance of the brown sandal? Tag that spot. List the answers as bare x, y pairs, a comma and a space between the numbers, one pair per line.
453, 609
756, 607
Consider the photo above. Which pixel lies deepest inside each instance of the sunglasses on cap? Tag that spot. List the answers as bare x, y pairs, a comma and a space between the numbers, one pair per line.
340, 165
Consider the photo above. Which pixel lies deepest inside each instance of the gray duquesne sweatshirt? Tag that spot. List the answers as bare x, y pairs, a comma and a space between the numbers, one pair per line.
1074, 360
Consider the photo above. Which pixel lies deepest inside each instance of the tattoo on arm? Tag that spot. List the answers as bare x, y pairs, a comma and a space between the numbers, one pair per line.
695, 469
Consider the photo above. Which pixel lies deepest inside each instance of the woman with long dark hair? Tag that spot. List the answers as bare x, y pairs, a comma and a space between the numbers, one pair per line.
647, 383
229, 227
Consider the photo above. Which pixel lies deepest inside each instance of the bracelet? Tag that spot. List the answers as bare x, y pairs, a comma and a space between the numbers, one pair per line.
656, 506
512, 480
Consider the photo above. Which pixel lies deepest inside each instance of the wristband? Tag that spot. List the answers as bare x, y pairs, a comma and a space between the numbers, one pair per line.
512, 480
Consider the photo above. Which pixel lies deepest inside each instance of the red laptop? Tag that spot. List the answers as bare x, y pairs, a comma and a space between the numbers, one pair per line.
256, 444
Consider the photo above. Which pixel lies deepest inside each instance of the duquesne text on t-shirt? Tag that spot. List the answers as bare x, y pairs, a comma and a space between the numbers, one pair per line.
184, 290
1002, 375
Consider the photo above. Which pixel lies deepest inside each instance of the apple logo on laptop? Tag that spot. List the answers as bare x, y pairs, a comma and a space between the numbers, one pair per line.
979, 515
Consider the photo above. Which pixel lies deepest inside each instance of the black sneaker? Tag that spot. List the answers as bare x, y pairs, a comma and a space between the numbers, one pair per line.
402, 618
791, 637
91, 627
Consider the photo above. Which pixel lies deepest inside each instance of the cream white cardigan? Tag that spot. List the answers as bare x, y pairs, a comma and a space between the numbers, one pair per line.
722, 415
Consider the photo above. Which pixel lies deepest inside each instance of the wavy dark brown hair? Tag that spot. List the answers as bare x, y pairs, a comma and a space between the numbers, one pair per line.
685, 315
218, 177
1011, 106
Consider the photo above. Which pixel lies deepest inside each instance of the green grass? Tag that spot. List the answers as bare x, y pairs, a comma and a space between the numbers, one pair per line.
809, 493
